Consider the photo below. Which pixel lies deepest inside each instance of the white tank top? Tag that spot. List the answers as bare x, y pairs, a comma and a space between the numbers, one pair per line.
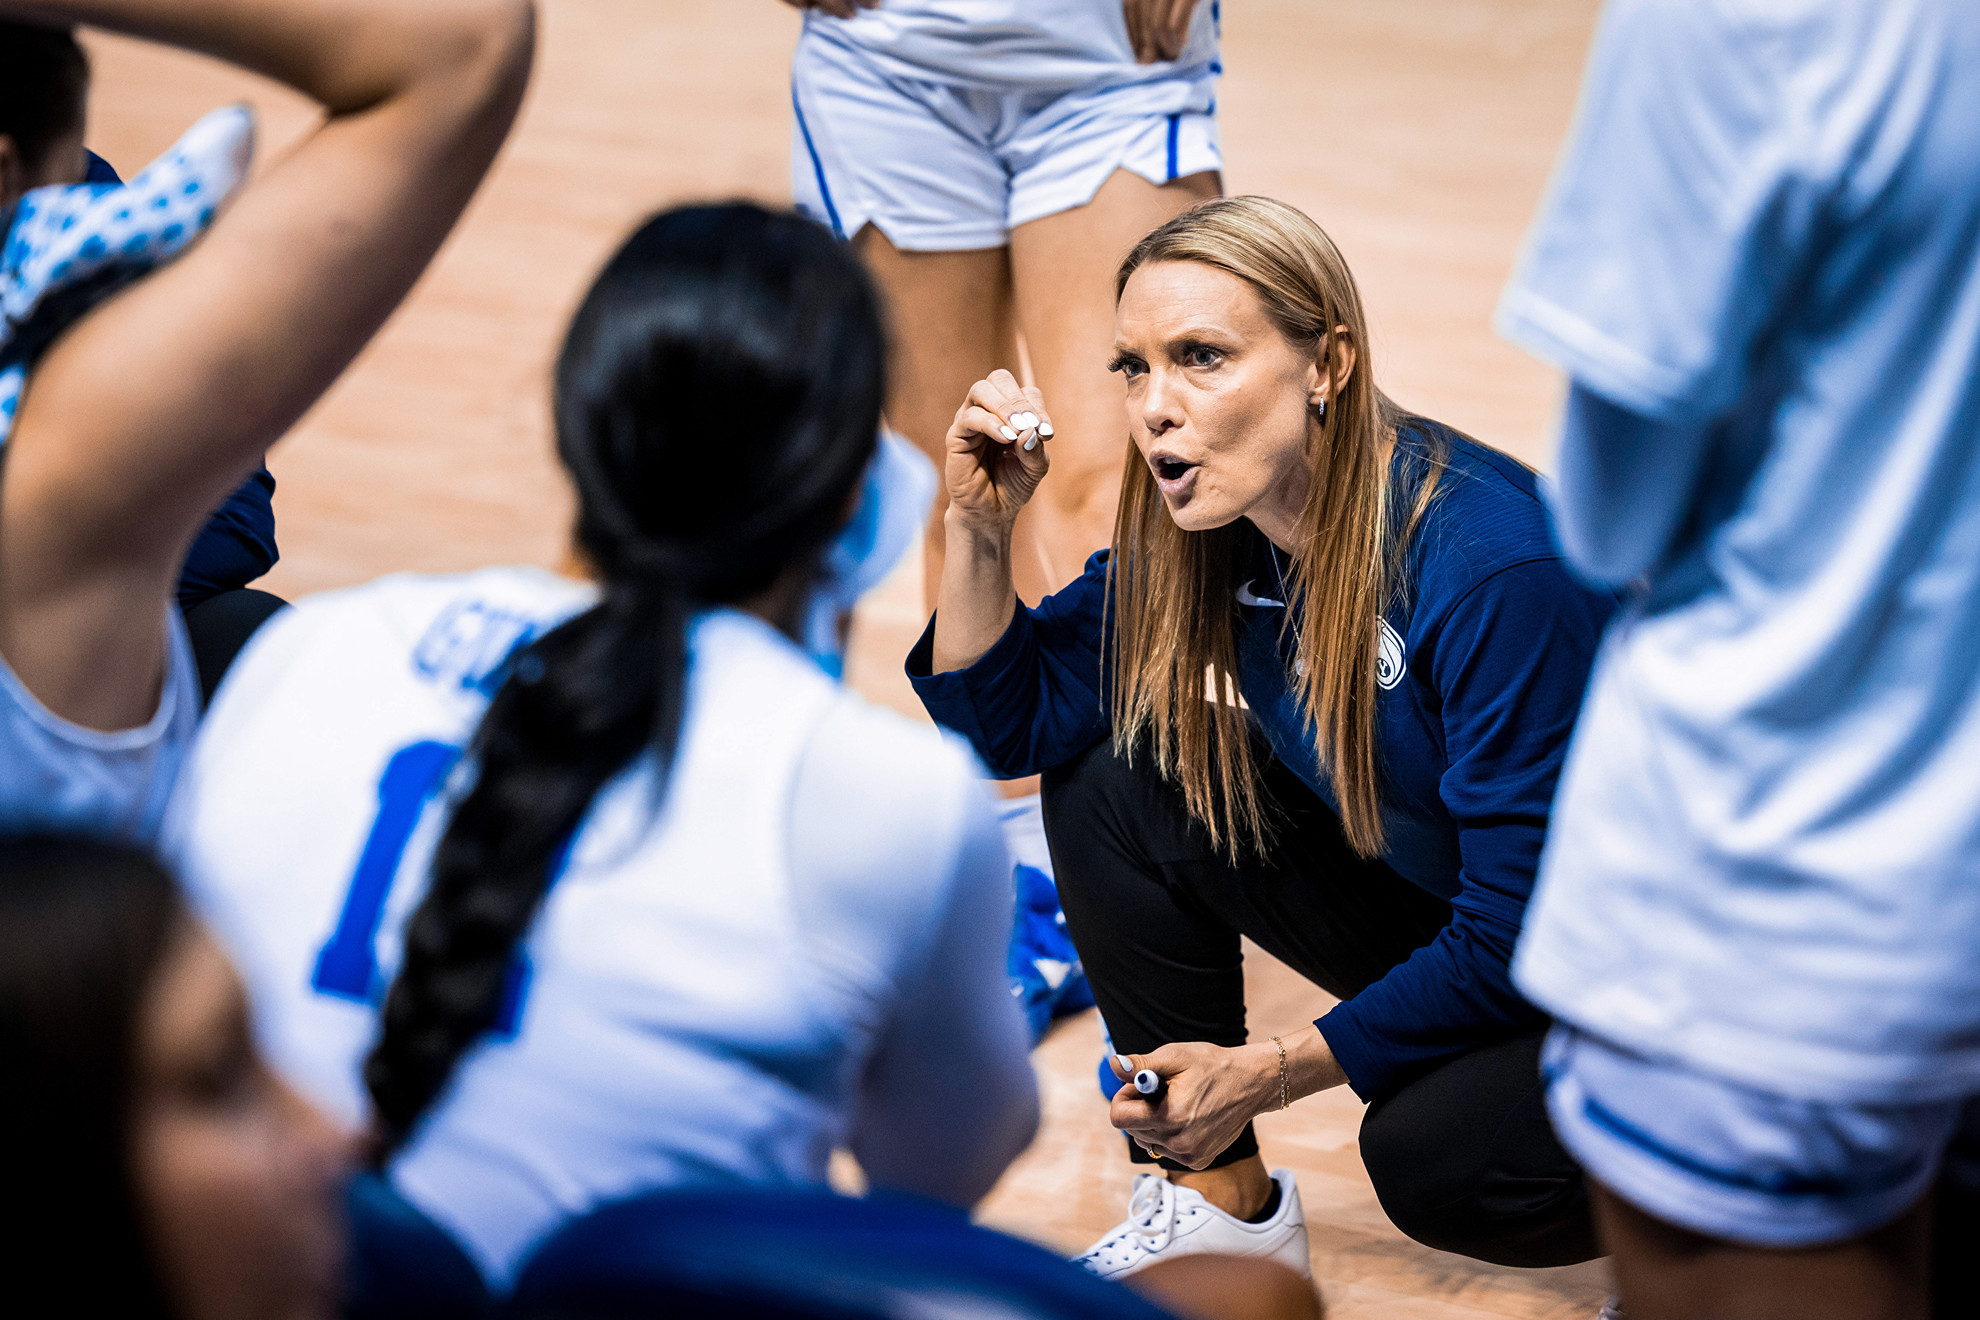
688, 1007
55, 775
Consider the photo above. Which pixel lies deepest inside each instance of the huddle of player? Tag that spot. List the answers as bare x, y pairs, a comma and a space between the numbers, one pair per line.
561, 891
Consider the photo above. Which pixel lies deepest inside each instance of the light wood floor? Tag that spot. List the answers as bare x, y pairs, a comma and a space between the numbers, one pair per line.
1418, 132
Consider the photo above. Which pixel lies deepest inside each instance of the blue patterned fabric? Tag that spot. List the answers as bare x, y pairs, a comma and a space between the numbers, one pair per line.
1046, 977
68, 247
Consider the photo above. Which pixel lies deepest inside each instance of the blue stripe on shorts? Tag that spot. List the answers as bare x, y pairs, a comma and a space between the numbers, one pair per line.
825, 191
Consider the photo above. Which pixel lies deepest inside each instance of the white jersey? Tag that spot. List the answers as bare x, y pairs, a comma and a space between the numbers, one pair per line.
1764, 859
798, 945
56, 775
999, 44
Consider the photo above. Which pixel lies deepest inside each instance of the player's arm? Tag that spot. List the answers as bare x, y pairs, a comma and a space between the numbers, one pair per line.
1628, 486
949, 1099
138, 422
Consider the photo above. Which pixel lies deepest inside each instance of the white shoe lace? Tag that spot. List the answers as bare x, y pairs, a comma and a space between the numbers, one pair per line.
1150, 1224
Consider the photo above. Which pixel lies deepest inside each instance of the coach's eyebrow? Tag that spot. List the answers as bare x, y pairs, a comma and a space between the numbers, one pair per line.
1209, 334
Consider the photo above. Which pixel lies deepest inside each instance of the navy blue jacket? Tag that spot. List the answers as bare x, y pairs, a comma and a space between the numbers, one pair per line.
1486, 651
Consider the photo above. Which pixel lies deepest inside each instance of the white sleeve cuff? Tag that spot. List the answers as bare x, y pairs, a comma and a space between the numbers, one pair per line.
1596, 361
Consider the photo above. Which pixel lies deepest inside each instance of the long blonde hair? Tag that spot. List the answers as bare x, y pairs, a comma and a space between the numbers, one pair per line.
1172, 592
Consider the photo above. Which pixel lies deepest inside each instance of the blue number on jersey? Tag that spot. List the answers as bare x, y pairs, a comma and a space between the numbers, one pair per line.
347, 966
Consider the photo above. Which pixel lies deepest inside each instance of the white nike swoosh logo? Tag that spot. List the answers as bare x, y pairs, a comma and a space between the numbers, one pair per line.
1244, 597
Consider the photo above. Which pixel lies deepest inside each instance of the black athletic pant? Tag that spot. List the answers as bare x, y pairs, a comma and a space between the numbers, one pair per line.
1462, 1156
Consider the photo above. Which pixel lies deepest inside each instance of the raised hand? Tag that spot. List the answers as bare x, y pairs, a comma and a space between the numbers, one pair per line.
1157, 29
996, 452
836, 8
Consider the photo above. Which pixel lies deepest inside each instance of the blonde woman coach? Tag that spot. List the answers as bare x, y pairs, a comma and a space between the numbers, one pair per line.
1395, 658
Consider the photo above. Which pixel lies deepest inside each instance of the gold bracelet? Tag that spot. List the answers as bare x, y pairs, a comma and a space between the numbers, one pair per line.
1285, 1094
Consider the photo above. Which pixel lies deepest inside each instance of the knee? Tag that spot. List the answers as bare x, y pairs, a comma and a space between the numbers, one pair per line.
1415, 1185
1473, 1203
1434, 1196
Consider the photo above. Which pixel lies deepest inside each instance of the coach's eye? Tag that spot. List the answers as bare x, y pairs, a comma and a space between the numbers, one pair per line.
1129, 367
1201, 355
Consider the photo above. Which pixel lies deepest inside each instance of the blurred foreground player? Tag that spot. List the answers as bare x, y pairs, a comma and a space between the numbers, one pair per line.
72, 234
158, 1168
137, 422
1758, 919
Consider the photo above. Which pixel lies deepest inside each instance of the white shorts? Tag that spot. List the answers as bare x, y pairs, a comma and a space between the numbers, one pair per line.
944, 168
1735, 1163
55, 775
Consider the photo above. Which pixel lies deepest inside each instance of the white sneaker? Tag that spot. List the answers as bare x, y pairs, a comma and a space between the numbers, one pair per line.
1167, 1220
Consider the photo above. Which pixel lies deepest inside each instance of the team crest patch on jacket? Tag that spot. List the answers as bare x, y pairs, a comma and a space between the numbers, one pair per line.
1388, 658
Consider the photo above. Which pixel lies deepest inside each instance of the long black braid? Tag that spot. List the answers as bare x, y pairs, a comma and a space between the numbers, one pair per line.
717, 400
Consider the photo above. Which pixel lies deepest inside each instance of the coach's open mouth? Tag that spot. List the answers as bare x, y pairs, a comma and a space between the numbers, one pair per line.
1174, 475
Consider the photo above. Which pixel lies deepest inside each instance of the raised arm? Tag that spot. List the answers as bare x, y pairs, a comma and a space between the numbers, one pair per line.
137, 423
994, 460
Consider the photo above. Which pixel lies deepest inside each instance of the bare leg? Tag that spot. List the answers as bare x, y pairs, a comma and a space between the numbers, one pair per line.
1239, 1189
951, 322
1670, 1273
1063, 272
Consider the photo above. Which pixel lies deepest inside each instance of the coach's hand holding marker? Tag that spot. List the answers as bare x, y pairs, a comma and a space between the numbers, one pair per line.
995, 461
1204, 1094
992, 462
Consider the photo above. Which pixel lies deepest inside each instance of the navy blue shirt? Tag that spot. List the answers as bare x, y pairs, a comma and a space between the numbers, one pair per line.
236, 546
1484, 655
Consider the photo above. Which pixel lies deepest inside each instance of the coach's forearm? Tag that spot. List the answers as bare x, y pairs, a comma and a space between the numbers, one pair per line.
1310, 1064
977, 598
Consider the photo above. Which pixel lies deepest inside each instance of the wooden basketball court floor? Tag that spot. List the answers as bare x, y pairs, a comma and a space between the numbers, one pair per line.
1419, 132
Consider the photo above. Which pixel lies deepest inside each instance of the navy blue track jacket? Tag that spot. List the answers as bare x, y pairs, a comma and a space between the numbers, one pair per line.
1485, 652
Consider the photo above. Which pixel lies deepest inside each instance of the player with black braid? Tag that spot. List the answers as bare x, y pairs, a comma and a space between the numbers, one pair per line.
669, 906
684, 503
